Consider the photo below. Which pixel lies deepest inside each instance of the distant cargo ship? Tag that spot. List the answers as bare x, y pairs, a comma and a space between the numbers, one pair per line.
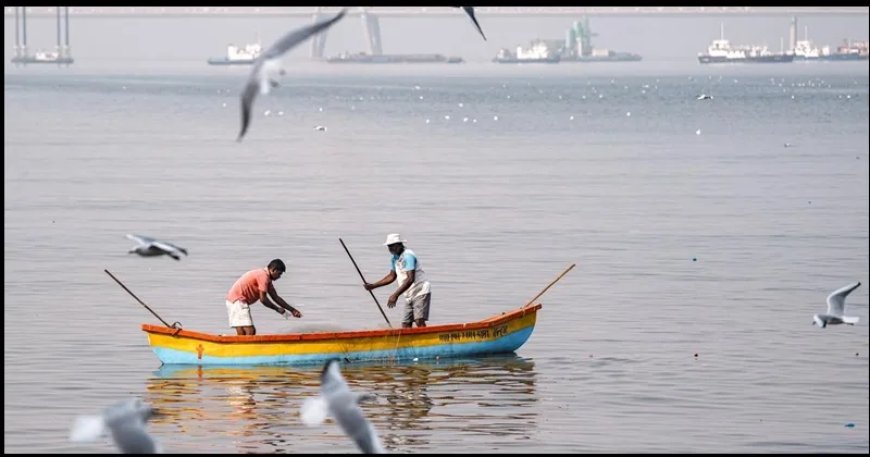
721, 51
605, 55
755, 54
537, 52
392, 58
578, 47
237, 55
804, 50
43, 57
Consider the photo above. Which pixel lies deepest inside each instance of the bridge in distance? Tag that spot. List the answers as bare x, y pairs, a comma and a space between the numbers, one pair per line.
482, 11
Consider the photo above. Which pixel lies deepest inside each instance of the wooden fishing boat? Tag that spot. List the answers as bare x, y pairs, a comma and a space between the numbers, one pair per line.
502, 333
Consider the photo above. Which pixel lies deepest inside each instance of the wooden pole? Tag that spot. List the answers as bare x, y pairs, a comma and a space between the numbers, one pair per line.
364, 282
140, 301
550, 285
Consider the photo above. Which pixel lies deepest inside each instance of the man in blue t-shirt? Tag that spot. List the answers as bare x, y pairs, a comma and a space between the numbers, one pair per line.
405, 266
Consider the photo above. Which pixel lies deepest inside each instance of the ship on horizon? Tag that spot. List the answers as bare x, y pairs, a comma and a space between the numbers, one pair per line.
57, 57
537, 52
578, 47
62, 52
238, 55
806, 51
362, 57
721, 51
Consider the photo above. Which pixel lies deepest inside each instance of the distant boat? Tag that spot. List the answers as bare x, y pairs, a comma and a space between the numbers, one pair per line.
605, 55
721, 51
805, 51
578, 46
537, 52
362, 57
44, 57
237, 55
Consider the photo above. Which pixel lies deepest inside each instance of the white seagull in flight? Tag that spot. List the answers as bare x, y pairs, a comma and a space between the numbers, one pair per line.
338, 401
266, 65
149, 247
837, 308
125, 421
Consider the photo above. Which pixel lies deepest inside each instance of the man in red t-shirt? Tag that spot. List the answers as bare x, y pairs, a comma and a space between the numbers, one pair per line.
252, 286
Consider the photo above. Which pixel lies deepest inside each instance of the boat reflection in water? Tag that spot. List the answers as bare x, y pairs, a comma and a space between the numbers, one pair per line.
421, 406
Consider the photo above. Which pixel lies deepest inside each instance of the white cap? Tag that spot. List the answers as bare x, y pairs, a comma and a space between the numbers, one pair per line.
394, 238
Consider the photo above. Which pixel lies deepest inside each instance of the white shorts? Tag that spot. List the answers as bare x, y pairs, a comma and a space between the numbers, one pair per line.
239, 313
417, 308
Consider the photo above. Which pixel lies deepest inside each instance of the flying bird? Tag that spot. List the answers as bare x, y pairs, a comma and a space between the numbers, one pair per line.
266, 65
339, 402
470, 11
837, 308
149, 247
125, 421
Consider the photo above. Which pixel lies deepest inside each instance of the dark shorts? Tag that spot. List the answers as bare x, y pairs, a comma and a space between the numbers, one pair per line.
417, 308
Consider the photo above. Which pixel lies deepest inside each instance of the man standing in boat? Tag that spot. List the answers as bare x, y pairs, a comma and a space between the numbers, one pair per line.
412, 282
252, 286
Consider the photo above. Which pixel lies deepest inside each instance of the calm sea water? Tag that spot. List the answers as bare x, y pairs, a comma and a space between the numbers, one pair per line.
703, 247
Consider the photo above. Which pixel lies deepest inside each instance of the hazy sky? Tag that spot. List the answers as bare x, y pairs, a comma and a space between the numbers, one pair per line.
198, 38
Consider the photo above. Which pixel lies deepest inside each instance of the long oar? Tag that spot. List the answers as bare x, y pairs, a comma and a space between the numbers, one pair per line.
364, 282
141, 302
550, 285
